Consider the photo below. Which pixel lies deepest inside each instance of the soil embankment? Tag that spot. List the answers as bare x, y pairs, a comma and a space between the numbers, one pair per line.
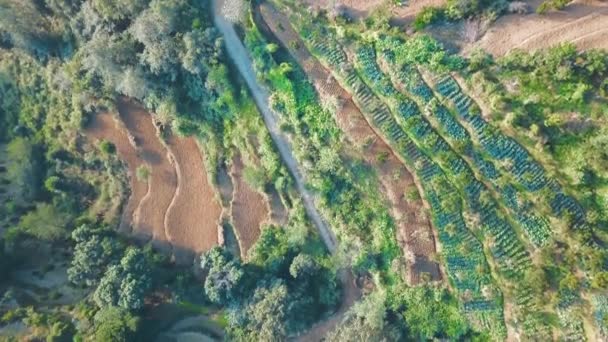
149, 217
176, 207
414, 229
583, 23
249, 209
106, 126
192, 218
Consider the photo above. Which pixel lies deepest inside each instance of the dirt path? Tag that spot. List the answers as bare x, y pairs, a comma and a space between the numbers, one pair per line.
106, 126
193, 217
239, 55
584, 23
414, 234
249, 209
149, 217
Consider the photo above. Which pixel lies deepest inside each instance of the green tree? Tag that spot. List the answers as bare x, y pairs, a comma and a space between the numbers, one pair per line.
25, 167
224, 275
45, 223
264, 317
303, 266
125, 284
107, 147
92, 255
115, 324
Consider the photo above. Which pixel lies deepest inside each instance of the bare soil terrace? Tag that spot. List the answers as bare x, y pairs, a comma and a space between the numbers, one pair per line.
176, 207
250, 209
414, 229
106, 126
193, 217
149, 217
583, 22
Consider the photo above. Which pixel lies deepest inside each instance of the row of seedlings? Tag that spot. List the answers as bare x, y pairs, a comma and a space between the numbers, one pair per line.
507, 250
515, 159
483, 308
408, 78
466, 265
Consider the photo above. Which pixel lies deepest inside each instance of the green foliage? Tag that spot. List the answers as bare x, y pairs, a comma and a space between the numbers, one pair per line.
224, 276
94, 251
549, 5
265, 315
45, 222
125, 284
428, 16
143, 173
366, 321
25, 168
107, 147
422, 50
115, 324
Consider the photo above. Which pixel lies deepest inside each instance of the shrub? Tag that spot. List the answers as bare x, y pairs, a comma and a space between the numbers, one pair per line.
428, 16
107, 147
142, 173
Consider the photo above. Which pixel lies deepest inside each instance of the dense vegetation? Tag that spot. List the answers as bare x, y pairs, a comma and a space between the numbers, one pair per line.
66, 194
510, 154
515, 214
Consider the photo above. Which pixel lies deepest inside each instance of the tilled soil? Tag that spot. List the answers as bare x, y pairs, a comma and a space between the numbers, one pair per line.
249, 209
149, 217
108, 127
414, 229
193, 217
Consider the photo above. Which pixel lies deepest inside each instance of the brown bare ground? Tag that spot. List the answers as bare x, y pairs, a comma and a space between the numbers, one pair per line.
584, 23
108, 127
414, 230
193, 217
360, 9
249, 209
149, 217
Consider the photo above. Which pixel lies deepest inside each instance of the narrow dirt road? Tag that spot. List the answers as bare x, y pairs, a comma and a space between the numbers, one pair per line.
239, 55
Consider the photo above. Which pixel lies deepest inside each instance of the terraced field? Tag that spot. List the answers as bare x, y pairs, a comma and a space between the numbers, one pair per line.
176, 207
249, 209
414, 233
493, 206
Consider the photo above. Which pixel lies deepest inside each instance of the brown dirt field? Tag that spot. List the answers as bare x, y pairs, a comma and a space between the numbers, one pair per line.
108, 127
249, 209
584, 23
414, 229
358, 9
149, 217
193, 217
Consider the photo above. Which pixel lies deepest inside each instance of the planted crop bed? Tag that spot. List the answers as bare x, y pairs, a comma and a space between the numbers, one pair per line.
414, 230
466, 265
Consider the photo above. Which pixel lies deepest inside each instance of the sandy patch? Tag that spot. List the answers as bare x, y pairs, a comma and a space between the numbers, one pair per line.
192, 219
414, 231
584, 23
107, 126
249, 208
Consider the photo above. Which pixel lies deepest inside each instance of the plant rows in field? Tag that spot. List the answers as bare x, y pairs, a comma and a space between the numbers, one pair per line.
507, 178
510, 254
535, 226
514, 158
465, 261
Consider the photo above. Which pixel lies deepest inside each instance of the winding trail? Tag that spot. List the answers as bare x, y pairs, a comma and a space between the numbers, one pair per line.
237, 52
